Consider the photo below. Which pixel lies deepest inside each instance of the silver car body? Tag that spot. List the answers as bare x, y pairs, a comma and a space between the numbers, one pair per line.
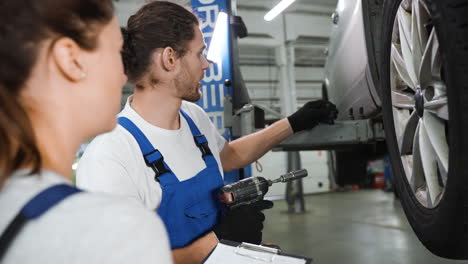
348, 78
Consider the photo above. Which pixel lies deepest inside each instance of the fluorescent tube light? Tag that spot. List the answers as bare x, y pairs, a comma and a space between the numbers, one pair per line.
280, 7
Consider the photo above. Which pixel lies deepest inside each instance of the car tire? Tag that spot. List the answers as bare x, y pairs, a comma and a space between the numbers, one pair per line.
440, 224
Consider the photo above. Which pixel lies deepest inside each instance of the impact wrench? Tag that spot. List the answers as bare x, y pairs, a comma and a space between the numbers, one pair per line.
251, 190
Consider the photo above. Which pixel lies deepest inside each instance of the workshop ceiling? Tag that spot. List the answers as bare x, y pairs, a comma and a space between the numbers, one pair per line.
260, 2
318, 2
314, 2
255, 55
265, 56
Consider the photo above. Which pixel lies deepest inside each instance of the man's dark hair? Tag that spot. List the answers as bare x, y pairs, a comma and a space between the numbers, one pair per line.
158, 24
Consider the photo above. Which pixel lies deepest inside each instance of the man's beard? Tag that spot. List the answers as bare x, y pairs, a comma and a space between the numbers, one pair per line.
186, 90
193, 96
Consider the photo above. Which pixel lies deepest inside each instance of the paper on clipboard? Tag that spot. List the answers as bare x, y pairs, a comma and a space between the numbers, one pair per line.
227, 254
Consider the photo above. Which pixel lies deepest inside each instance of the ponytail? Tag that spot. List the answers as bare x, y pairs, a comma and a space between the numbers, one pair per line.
18, 145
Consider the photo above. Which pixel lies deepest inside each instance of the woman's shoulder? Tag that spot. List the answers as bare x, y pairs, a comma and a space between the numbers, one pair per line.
94, 227
107, 221
109, 205
111, 210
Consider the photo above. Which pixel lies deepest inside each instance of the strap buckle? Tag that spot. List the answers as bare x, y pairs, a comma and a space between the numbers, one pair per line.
158, 165
202, 144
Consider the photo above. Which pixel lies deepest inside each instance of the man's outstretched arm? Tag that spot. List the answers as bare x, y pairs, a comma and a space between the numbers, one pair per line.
245, 150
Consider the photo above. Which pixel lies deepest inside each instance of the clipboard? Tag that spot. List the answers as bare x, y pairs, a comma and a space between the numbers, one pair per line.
229, 252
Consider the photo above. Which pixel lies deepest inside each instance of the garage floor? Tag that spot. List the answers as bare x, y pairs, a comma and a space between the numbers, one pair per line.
352, 228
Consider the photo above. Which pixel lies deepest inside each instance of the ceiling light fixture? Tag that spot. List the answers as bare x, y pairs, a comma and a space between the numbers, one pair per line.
275, 11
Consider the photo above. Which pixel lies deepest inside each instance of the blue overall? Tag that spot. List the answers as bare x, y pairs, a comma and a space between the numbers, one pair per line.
35, 208
189, 208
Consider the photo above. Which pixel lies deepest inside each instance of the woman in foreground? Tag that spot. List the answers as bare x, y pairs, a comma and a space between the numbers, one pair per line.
61, 77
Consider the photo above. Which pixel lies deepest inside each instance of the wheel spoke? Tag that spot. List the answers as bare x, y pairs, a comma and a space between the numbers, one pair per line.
429, 164
404, 25
436, 59
430, 201
424, 8
441, 112
431, 63
406, 139
440, 89
443, 173
402, 100
438, 106
436, 103
436, 134
400, 118
400, 67
418, 34
417, 179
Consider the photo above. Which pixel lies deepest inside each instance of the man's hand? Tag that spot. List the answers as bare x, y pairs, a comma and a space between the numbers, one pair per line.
312, 113
244, 223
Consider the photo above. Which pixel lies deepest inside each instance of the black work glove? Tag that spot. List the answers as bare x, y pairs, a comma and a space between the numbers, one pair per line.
312, 113
244, 223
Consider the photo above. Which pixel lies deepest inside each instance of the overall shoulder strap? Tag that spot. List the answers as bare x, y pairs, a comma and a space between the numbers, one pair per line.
199, 138
35, 208
193, 128
153, 158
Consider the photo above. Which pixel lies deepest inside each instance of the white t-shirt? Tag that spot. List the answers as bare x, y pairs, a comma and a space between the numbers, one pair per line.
83, 228
113, 162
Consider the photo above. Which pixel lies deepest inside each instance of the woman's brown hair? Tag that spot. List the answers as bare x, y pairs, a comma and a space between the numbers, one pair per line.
23, 25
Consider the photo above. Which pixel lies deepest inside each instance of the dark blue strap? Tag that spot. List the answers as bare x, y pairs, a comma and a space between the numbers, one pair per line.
200, 139
193, 127
47, 199
36, 207
153, 158
147, 149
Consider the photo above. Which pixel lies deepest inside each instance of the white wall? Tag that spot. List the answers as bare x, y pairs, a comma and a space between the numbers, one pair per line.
263, 84
308, 27
274, 165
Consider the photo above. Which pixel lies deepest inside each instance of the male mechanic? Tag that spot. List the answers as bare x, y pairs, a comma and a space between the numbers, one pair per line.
166, 152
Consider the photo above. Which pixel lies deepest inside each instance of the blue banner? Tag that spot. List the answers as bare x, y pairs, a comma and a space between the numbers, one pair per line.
213, 89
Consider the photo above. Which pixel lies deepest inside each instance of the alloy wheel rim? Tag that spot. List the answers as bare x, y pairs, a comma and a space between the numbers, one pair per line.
419, 102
